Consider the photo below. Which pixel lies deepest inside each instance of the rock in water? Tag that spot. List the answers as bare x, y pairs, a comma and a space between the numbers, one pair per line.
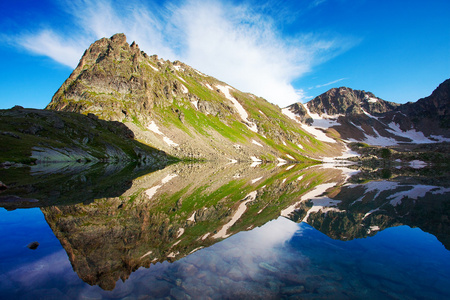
33, 245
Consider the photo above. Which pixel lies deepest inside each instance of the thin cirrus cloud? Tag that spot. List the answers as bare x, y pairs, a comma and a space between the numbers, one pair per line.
230, 42
328, 83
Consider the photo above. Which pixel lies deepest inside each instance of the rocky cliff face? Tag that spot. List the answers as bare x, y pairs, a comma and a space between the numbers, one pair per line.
177, 109
359, 116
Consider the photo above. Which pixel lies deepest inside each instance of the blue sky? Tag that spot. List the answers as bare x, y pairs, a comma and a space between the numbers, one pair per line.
284, 51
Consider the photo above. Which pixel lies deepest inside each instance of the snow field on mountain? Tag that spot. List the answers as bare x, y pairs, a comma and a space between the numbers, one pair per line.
154, 128
240, 109
317, 133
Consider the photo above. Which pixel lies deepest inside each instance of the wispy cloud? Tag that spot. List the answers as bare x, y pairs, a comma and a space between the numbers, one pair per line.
328, 83
317, 3
229, 42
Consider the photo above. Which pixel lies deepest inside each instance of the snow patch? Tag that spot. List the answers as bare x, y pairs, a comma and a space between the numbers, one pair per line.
255, 159
339, 159
416, 136
147, 254
181, 79
192, 218
317, 133
180, 233
314, 130
184, 89
374, 228
286, 111
152, 191
153, 127
169, 142
200, 73
208, 86
154, 68
256, 180
290, 167
241, 111
290, 156
195, 103
256, 143
370, 99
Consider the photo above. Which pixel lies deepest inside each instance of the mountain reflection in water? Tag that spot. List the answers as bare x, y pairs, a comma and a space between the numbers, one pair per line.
223, 231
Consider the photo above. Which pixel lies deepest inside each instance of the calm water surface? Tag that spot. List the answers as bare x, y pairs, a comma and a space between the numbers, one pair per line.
228, 232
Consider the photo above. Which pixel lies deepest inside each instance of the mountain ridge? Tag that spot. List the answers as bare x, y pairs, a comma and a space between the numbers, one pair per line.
179, 110
360, 116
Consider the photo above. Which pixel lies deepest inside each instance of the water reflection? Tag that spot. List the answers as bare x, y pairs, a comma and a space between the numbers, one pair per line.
173, 222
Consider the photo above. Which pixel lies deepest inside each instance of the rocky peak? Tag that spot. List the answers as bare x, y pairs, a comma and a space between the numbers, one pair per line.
434, 109
346, 101
113, 80
437, 104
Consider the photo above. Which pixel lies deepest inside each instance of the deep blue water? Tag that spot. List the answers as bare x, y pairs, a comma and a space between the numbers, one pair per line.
281, 259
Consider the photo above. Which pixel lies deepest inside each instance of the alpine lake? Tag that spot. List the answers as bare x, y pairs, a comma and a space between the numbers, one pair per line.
231, 231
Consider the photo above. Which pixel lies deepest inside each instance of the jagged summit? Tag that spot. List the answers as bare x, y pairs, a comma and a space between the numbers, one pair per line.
435, 106
346, 101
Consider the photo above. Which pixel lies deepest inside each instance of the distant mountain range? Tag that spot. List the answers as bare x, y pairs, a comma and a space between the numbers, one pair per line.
359, 116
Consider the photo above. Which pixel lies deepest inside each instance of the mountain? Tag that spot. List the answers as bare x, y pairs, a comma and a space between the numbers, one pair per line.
33, 135
359, 116
177, 109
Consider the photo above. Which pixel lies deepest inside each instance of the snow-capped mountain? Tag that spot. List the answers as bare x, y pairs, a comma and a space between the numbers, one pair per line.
359, 116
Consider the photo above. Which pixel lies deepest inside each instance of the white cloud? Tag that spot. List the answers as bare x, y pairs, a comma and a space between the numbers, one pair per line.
229, 42
48, 43
329, 83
